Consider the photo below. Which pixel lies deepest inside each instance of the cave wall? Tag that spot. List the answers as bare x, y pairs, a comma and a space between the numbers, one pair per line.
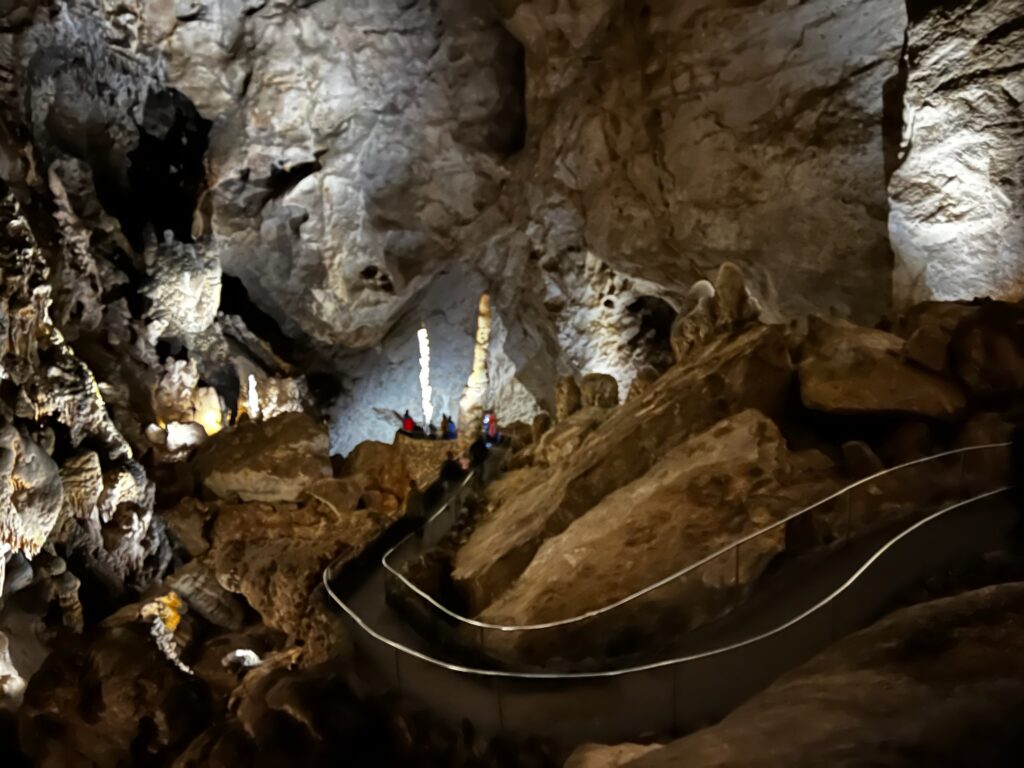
584, 159
689, 133
957, 218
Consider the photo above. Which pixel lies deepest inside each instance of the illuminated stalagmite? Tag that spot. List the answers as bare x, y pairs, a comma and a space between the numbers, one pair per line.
471, 406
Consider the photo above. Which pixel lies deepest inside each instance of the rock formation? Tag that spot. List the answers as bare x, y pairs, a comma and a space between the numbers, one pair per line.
957, 220
942, 661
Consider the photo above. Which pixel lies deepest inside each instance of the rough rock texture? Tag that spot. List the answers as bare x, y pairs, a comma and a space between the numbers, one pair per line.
716, 382
389, 468
598, 756
848, 369
81, 685
271, 460
719, 485
337, 188
599, 390
929, 685
657, 118
957, 221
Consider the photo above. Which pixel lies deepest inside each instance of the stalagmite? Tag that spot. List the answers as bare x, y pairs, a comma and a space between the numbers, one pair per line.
471, 406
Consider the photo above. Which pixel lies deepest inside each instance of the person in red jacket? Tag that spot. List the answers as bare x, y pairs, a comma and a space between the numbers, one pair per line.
408, 425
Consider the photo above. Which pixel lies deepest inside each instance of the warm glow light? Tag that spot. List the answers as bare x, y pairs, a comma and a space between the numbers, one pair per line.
210, 419
253, 398
427, 393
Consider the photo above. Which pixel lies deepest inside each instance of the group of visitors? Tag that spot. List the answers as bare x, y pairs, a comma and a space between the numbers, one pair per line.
454, 470
447, 431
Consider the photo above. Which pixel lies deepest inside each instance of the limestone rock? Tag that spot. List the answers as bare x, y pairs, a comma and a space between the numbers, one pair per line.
727, 376
541, 424
851, 370
750, 163
879, 695
184, 288
389, 468
601, 756
266, 461
599, 390
987, 350
710, 309
12, 685
957, 199
716, 486
274, 555
197, 584
31, 494
644, 380
568, 398
81, 689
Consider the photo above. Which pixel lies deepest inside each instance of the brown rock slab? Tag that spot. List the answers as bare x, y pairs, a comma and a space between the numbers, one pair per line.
717, 486
851, 370
727, 376
272, 460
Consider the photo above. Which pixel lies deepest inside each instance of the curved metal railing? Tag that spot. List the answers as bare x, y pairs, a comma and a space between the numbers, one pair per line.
476, 630
328, 577
683, 692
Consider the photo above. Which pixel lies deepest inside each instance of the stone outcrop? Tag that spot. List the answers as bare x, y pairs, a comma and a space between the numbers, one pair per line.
598, 756
942, 666
710, 309
663, 151
716, 486
752, 370
568, 397
957, 220
271, 460
599, 390
852, 370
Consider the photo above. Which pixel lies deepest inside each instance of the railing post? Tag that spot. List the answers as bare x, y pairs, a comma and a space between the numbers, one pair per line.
480, 639
963, 466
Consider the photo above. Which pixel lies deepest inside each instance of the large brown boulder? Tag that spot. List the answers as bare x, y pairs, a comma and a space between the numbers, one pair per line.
847, 369
272, 460
390, 467
717, 486
727, 376
936, 684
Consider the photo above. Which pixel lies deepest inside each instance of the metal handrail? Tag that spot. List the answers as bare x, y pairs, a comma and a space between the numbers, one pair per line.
683, 571
500, 673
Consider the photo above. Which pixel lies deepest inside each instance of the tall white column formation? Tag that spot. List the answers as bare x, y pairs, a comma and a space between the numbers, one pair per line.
426, 393
471, 406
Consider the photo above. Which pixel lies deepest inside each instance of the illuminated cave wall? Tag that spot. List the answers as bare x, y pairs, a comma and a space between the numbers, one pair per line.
957, 221
372, 165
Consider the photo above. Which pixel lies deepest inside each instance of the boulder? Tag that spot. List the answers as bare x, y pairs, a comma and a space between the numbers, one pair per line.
568, 398
935, 684
271, 460
988, 350
105, 695
599, 390
727, 376
850, 370
602, 756
274, 555
390, 467
717, 486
